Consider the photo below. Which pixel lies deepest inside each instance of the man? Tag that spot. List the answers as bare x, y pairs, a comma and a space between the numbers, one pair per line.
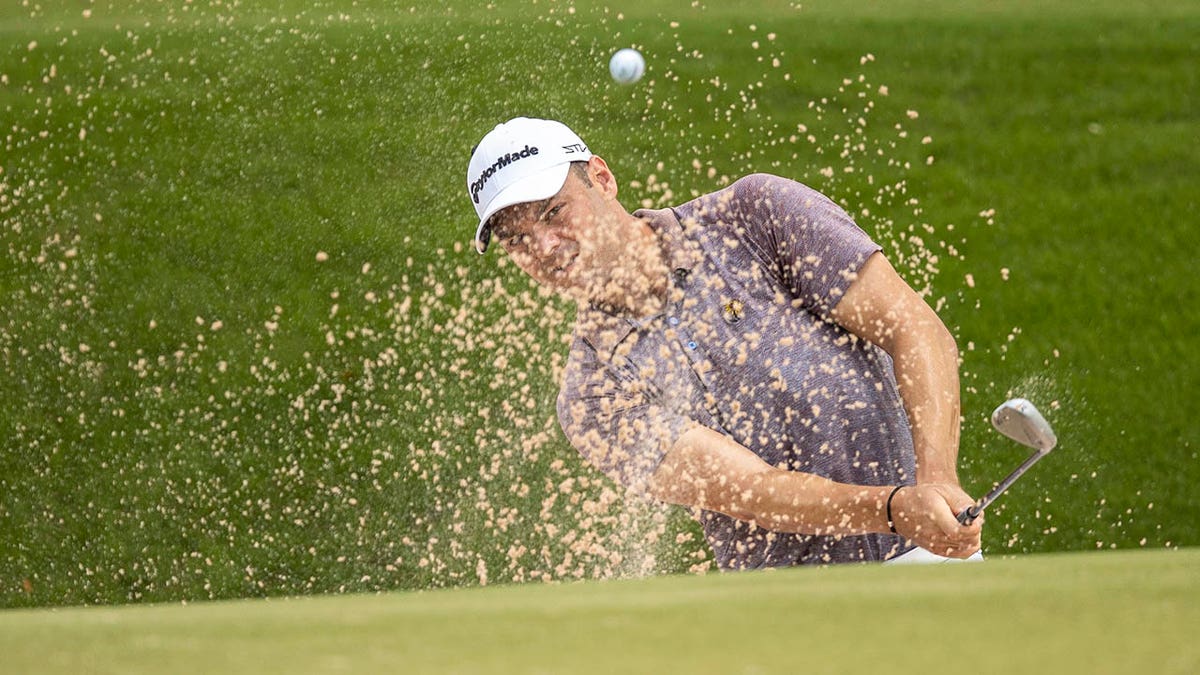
750, 353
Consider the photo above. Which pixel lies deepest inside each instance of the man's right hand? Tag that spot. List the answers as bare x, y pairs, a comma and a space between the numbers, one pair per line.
926, 515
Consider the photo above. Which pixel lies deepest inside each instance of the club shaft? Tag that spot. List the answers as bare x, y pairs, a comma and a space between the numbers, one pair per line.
972, 513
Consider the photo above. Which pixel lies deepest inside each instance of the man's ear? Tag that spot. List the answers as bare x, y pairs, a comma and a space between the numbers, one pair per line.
602, 176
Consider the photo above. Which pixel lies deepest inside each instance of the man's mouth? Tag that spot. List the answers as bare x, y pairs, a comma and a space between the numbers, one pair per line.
564, 266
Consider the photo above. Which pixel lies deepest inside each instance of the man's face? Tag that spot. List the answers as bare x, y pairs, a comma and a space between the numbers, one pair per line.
568, 242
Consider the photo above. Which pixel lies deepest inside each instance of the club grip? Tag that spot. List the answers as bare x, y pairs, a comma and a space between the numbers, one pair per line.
969, 514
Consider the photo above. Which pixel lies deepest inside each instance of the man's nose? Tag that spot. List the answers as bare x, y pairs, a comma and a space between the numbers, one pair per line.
545, 240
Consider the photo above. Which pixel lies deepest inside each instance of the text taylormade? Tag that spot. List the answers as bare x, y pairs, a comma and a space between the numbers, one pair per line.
501, 162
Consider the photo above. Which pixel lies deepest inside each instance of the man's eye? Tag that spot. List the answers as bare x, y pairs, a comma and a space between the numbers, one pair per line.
553, 212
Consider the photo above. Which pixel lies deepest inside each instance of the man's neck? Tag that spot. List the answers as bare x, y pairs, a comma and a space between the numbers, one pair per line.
639, 290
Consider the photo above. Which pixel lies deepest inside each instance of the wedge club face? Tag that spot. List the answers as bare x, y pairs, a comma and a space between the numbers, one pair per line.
1019, 420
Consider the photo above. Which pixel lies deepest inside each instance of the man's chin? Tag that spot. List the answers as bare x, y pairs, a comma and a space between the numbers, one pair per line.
568, 291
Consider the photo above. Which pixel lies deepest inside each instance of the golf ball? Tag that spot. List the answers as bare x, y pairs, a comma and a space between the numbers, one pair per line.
627, 66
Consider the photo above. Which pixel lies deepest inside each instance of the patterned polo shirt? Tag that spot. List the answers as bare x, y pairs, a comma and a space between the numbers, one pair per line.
745, 346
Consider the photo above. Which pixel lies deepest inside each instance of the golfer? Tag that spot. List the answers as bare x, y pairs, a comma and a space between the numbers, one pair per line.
750, 354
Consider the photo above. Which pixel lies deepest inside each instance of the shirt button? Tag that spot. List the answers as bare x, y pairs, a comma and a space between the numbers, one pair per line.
691, 344
673, 321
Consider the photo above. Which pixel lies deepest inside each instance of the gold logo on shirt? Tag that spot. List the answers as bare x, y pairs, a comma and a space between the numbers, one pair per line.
733, 311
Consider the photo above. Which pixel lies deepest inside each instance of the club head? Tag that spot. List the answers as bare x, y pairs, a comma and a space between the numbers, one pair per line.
1020, 420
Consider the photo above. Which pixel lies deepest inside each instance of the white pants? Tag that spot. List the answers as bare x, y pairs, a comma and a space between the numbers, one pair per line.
919, 556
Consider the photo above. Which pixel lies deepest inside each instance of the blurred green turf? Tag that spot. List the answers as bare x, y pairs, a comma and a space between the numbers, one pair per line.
1093, 612
224, 145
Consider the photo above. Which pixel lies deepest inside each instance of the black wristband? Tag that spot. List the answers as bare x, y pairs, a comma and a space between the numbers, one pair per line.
892, 523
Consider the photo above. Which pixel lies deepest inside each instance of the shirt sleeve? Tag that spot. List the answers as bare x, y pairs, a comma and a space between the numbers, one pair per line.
617, 418
802, 237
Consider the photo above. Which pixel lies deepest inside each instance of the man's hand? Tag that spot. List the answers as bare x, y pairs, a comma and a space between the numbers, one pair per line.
955, 495
926, 515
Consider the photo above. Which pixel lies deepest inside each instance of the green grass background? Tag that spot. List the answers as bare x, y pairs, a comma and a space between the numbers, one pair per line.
167, 166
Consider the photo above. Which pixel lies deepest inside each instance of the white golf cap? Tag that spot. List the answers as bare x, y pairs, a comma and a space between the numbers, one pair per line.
522, 160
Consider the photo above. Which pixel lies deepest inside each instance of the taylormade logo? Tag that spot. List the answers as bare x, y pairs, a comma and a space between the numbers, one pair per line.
502, 162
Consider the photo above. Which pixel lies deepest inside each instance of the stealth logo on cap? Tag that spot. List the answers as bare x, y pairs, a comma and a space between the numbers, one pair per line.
503, 161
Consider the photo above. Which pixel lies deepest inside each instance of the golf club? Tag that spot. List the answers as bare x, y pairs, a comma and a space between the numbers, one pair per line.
1019, 420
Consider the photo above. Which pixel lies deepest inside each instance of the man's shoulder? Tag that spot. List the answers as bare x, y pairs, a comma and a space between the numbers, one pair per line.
753, 196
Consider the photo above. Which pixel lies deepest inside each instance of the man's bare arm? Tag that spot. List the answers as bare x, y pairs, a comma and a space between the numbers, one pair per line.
880, 307
708, 470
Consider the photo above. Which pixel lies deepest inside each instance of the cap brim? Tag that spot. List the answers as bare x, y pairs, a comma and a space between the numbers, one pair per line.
539, 186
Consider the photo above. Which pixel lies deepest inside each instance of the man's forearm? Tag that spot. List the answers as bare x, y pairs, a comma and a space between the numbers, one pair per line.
789, 501
714, 472
926, 368
881, 308
708, 470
